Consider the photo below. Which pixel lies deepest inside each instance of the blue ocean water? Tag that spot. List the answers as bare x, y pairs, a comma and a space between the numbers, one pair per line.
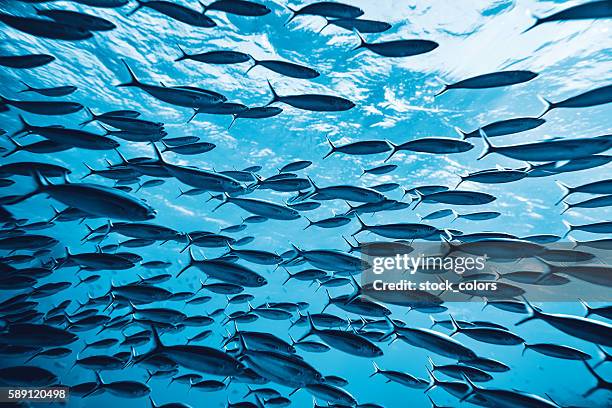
394, 100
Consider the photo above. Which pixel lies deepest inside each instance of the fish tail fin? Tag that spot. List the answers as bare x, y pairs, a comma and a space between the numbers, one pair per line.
310, 222
289, 277
92, 117
462, 133
314, 186
434, 382
189, 265
534, 25
255, 63
394, 149
140, 5
234, 117
183, 56
17, 147
332, 148
376, 369
548, 106
329, 301
567, 190
91, 171
525, 347
195, 113
158, 345
311, 328
433, 366
28, 87
488, 147
588, 309
351, 247
25, 126
152, 402
471, 390
294, 14
158, 154
445, 88
456, 327
362, 225
566, 207
362, 42
569, 227
534, 313
600, 381
419, 198
224, 200
327, 23
204, 7
133, 80
275, 97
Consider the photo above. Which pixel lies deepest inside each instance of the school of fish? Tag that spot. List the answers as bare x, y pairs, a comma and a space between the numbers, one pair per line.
163, 305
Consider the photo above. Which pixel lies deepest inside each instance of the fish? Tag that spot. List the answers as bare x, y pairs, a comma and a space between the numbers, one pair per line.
400, 377
458, 371
177, 12
557, 350
384, 169
595, 187
361, 25
45, 28
215, 57
408, 231
491, 80
26, 61
437, 145
260, 112
504, 127
55, 91
487, 334
347, 193
604, 311
583, 328
262, 207
69, 137
604, 227
312, 102
326, 9
189, 148
397, 48
179, 96
363, 147
560, 149
41, 147
78, 20
593, 97
589, 10
285, 68
455, 197
238, 7
96, 200
43, 107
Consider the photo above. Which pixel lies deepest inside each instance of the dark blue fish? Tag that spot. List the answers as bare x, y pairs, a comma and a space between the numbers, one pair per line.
43, 107
326, 9
361, 25
215, 57
492, 80
177, 12
398, 48
45, 28
504, 127
238, 7
78, 20
313, 102
589, 10
25, 61
53, 91
289, 69
594, 97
